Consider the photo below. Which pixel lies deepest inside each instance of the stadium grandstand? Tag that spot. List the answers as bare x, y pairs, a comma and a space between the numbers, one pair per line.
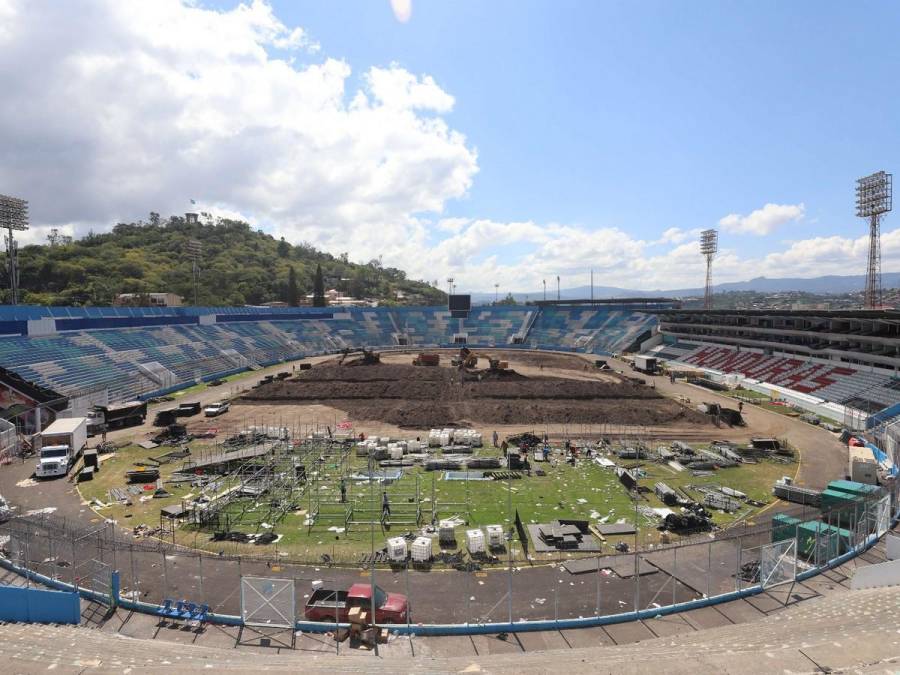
101, 355
838, 363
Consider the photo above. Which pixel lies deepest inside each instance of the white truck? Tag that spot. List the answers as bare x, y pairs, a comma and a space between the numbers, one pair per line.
645, 364
216, 409
61, 444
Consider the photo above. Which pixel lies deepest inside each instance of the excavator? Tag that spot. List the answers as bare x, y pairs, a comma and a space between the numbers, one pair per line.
468, 360
366, 357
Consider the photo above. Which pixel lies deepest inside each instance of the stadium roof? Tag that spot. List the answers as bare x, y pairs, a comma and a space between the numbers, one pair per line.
874, 314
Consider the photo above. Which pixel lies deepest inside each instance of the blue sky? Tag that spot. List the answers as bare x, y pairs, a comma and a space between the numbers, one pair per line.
648, 115
551, 138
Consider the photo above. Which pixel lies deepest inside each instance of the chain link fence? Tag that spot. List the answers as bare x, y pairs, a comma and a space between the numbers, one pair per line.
697, 568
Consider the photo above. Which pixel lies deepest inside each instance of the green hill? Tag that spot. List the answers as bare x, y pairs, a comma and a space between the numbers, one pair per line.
238, 265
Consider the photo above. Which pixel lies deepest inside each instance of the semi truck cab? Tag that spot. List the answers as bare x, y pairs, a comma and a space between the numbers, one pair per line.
54, 460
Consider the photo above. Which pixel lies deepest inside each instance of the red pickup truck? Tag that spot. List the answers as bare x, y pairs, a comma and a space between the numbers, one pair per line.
329, 605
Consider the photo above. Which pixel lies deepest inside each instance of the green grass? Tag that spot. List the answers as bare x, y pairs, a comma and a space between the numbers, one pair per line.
203, 385
585, 491
747, 394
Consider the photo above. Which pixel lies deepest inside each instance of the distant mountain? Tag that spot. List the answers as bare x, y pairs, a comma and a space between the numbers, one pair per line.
819, 285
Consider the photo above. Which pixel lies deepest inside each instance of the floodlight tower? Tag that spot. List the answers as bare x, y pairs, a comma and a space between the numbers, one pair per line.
709, 246
450, 281
13, 217
194, 248
873, 200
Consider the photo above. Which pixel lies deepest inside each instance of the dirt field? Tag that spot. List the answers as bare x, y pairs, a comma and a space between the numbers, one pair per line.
421, 398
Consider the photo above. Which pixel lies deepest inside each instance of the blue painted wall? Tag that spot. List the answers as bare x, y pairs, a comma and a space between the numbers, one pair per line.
36, 605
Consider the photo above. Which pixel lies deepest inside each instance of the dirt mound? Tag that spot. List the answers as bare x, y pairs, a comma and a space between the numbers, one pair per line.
421, 398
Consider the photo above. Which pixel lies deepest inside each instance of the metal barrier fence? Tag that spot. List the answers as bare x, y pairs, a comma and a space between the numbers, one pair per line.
580, 591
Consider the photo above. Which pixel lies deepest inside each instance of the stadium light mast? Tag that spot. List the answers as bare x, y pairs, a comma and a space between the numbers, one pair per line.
873, 200
450, 281
13, 217
709, 246
194, 248
496, 293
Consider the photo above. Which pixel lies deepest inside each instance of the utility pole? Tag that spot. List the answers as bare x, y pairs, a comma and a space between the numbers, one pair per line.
496, 292
557, 288
545, 290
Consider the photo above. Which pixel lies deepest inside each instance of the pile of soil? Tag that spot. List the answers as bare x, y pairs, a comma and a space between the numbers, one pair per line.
422, 398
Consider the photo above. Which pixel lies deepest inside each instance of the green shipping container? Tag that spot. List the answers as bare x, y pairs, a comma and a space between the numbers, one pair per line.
835, 541
784, 527
854, 488
841, 507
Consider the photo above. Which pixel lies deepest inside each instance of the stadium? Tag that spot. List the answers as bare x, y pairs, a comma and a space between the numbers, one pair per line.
648, 495
245, 426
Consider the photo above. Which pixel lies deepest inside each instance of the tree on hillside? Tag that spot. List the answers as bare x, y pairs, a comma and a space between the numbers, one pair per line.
284, 248
319, 288
293, 295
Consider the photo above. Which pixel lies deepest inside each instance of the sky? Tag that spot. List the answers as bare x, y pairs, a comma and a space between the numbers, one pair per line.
498, 142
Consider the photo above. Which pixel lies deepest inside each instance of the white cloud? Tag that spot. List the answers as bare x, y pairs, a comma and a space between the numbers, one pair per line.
123, 107
402, 10
115, 108
763, 221
673, 235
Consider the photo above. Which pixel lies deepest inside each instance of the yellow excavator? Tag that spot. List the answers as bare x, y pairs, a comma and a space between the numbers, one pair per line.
468, 360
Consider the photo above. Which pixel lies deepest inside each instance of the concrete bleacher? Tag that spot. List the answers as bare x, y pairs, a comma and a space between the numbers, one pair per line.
137, 351
835, 383
594, 330
838, 631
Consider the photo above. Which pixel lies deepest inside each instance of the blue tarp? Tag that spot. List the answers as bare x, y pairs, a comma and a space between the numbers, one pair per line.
882, 458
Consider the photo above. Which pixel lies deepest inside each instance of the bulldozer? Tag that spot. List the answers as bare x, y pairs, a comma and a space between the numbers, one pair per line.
363, 356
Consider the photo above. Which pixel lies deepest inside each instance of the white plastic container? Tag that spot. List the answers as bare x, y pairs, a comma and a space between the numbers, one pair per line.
396, 548
495, 535
434, 438
446, 438
396, 453
421, 549
475, 541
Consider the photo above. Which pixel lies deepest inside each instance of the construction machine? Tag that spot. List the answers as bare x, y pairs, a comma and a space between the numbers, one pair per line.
362, 356
468, 360
425, 359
